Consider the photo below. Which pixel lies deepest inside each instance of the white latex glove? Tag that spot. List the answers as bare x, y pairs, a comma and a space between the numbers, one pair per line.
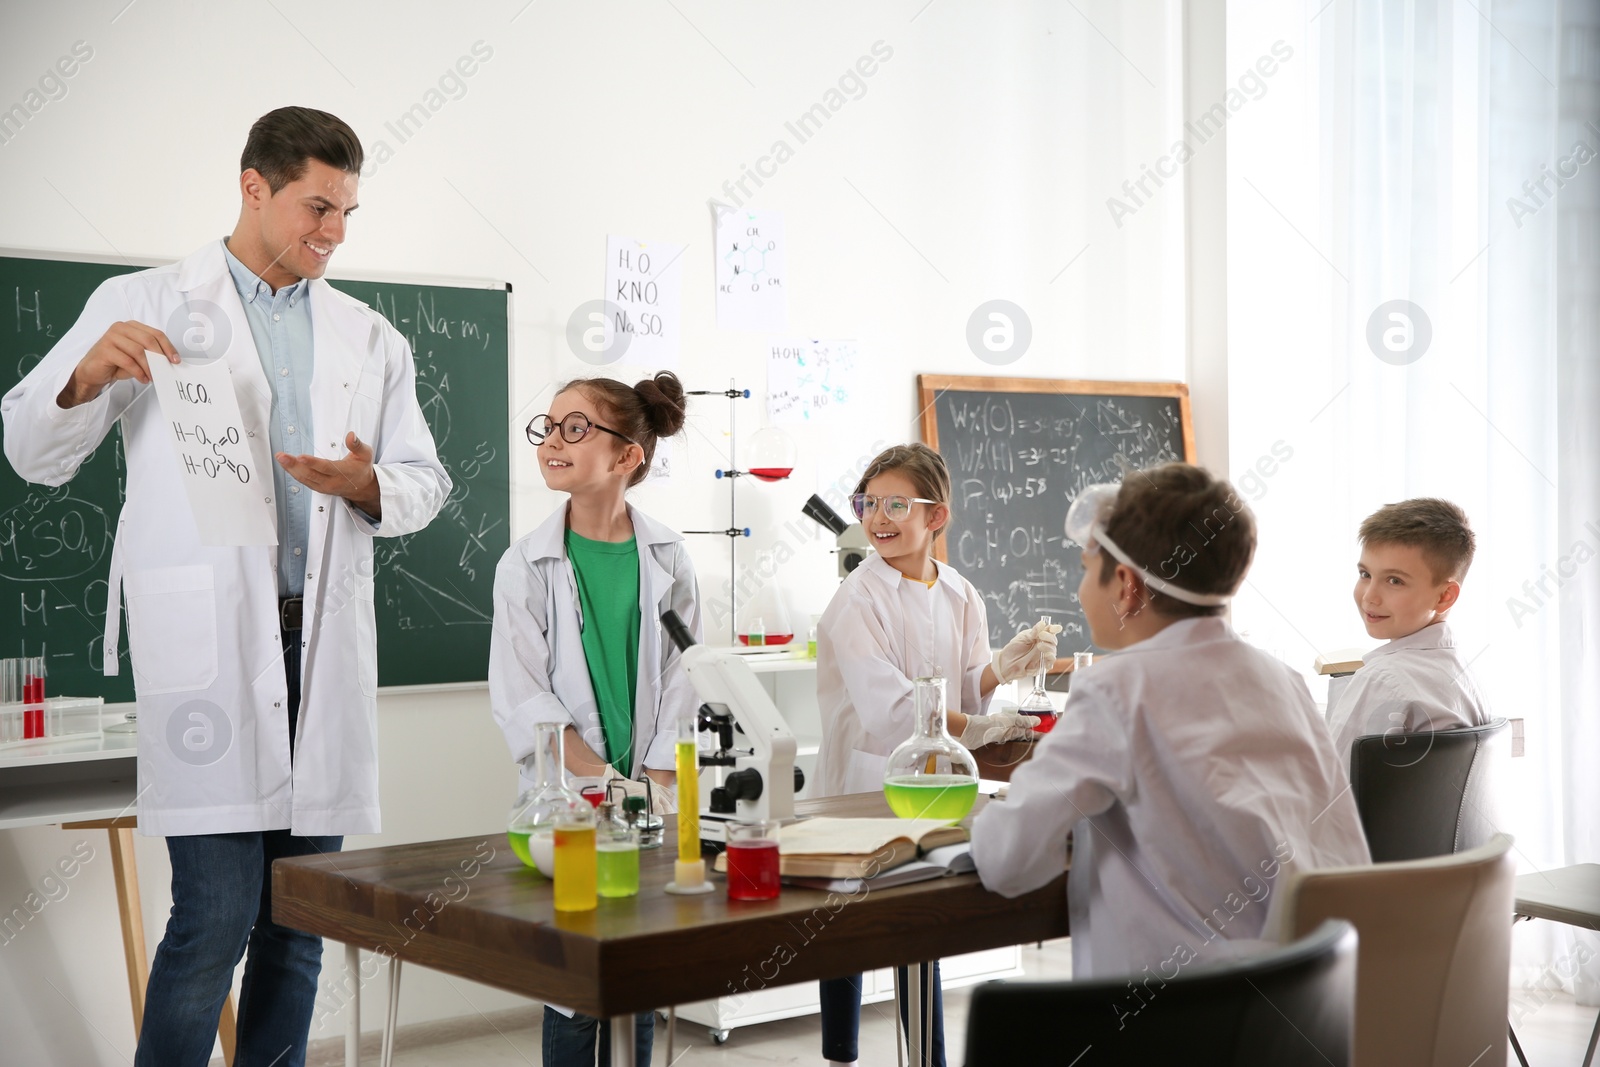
1001, 726
630, 788
666, 798
1033, 648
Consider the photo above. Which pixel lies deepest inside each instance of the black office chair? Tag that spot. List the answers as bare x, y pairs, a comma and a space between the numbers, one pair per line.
1428, 794
1293, 1005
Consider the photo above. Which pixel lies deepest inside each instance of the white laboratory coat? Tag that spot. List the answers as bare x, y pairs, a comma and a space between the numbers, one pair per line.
1193, 771
880, 631
537, 668
203, 629
1411, 684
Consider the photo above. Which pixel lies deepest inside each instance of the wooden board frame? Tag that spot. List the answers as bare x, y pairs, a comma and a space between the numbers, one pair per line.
930, 387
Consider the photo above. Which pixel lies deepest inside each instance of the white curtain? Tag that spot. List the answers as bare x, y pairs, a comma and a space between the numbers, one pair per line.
1388, 163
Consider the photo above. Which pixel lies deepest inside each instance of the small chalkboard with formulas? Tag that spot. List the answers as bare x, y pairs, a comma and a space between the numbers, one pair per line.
1019, 451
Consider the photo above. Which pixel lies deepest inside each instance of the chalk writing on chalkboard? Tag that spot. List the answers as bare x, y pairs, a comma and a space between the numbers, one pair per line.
1019, 451
424, 598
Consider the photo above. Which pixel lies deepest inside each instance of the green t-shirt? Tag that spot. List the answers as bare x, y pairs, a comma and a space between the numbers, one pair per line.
608, 596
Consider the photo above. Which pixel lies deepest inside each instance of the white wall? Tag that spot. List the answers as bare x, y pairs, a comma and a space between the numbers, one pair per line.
976, 164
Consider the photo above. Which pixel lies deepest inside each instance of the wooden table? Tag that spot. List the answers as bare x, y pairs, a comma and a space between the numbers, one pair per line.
996, 762
498, 926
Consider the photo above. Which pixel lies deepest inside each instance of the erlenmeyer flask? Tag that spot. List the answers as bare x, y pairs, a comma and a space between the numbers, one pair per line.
531, 825
930, 776
1038, 702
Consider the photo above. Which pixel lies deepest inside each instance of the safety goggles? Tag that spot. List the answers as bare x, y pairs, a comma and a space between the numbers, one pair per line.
896, 507
1086, 526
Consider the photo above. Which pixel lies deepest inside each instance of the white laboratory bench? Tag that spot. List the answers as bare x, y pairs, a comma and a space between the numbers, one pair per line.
46, 782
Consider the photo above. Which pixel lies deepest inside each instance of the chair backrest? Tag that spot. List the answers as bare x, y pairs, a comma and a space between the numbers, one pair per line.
1289, 1005
1428, 794
1433, 976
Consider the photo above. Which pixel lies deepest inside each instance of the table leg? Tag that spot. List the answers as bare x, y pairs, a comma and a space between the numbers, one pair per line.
622, 1040
915, 1024
227, 1031
386, 1059
352, 1025
125, 874
1588, 1057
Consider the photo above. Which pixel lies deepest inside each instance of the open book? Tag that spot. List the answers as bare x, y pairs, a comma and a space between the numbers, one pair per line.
936, 863
856, 848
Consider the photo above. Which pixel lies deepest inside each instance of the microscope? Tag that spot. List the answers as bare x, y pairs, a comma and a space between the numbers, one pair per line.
851, 538
752, 776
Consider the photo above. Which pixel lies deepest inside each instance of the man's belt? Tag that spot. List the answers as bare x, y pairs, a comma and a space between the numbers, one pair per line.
291, 612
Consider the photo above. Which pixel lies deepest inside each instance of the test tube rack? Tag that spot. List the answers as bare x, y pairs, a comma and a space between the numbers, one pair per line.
28, 723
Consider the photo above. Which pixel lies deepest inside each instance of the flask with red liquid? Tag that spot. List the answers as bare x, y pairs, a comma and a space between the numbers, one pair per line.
772, 454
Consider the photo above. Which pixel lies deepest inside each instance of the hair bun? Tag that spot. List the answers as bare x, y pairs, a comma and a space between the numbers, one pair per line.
664, 403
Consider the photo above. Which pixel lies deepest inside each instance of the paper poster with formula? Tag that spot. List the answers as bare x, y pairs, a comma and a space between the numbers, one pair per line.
643, 284
232, 501
661, 463
750, 271
808, 380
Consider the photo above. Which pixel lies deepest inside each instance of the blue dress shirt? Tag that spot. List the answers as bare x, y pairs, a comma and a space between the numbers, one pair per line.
280, 323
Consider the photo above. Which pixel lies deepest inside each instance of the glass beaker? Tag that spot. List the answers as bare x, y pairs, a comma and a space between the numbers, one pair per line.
930, 776
752, 860
575, 856
616, 846
533, 816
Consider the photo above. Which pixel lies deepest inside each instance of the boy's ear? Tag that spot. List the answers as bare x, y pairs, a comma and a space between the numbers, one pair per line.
1447, 597
1131, 591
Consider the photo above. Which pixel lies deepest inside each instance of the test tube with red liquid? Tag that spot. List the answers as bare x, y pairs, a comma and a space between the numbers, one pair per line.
32, 697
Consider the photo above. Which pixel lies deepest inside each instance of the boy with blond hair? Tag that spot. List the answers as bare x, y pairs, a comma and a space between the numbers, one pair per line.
1414, 557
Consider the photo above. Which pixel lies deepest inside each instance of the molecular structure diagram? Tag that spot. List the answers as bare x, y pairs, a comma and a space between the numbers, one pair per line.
749, 259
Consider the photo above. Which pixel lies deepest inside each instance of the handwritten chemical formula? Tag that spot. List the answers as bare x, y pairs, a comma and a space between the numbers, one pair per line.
1017, 460
442, 577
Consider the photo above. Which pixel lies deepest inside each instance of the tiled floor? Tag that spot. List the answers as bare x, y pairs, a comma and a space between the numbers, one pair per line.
1554, 1035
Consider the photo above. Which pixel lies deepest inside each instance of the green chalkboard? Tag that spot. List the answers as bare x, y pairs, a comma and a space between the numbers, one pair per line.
434, 588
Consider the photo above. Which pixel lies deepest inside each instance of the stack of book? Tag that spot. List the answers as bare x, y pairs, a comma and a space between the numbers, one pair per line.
843, 855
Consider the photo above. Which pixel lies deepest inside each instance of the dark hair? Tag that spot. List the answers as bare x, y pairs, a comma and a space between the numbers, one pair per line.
281, 141
925, 467
646, 412
1183, 526
1436, 526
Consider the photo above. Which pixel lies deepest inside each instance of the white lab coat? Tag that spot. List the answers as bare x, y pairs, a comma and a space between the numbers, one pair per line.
880, 631
203, 628
1409, 685
1193, 771
537, 668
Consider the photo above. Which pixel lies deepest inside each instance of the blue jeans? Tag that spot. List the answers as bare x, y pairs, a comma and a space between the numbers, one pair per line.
571, 1042
841, 1015
221, 905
